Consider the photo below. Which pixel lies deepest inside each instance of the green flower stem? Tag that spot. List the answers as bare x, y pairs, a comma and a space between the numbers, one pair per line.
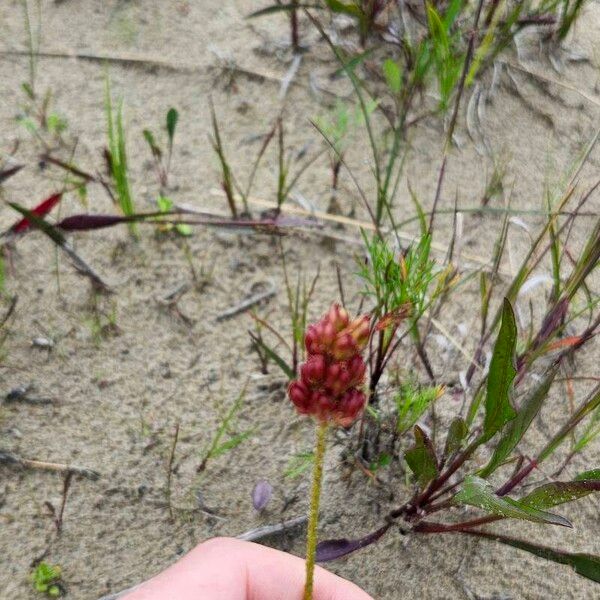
313, 515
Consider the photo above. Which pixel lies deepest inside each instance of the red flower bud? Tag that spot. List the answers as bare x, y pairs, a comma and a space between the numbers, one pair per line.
360, 330
349, 407
330, 378
313, 370
338, 317
300, 395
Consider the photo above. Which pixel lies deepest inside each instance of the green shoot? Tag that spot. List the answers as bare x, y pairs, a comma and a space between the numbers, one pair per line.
116, 155
46, 580
218, 445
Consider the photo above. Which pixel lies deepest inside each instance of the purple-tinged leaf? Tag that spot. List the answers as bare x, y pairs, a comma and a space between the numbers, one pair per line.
586, 565
261, 495
88, 222
334, 549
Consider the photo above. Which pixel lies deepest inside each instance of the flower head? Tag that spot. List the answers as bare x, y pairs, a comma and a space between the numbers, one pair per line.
329, 384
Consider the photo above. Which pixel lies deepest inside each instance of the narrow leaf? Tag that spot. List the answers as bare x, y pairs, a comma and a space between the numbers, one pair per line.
275, 357
9, 172
333, 549
560, 492
498, 410
31, 218
586, 565
593, 474
269, 10
87, 222
41, 210
230, 444
515, 430
149, 137
336, 6
478, 492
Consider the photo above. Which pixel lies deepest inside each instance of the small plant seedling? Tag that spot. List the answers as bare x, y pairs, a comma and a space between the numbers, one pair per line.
218, 445
412, 402
299, 464
286, 181
46, 580
166, 206
116, 158
163, 164
335, 128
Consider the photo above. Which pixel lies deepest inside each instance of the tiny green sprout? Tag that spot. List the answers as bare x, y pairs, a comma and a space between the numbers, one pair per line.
56, 124
165, 206
412, 401
299, 464
46, 580
383, 460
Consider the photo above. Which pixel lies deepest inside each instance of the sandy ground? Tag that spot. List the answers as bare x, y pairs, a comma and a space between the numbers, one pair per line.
116, 401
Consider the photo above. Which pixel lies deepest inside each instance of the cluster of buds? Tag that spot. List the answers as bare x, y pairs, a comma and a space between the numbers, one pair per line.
330, 379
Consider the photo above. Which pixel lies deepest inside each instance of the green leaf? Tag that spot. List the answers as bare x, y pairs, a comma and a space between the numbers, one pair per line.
298, 464
593, 474
457, 432
393, 76
498, 410
421, 458
53, 591
149, 137
586, 565
350, 66
560, 492
347, 9
269, 10
383, 460
172, 118
183, 229
411, 402
275, 357
453, 10
514, 431
591, 432
478, 492
36, 221
28, 91
230, 444
164, 204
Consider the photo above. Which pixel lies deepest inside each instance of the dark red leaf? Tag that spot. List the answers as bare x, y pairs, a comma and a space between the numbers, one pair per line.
334, 549
41, 210
88, 222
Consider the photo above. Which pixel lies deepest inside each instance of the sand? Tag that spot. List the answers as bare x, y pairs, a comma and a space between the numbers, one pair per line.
117, 398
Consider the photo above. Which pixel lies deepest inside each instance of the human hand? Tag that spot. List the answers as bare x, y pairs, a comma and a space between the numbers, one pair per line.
229, 569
